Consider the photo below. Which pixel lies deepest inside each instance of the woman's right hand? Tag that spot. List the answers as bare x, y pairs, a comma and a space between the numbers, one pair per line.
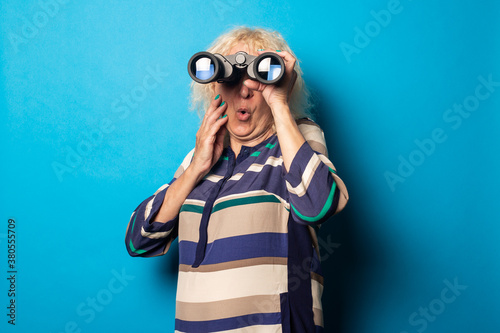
210, 138
208, 149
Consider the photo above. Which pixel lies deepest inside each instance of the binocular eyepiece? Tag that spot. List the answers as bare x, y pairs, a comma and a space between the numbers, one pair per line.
205, 67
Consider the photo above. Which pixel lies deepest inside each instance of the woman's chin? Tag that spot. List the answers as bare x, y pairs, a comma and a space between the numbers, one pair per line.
241, 135
240, 131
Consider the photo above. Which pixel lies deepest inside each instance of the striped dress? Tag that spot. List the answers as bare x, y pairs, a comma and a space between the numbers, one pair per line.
248, 251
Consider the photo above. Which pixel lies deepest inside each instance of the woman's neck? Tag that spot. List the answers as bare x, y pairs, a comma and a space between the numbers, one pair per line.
236, 143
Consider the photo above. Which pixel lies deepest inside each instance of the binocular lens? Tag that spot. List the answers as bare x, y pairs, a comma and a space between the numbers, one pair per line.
204, 68
269, 68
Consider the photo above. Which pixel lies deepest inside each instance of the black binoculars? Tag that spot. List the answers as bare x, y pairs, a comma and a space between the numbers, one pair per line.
205, 67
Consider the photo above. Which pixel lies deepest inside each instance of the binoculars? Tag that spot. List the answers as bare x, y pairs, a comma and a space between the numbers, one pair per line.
205, 67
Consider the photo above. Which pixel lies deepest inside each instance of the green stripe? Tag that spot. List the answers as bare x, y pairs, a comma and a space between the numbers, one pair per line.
325, 209
331, 170
134, 250
245, 201
270, 146
191, 208
225, 158
257, 153
130, 243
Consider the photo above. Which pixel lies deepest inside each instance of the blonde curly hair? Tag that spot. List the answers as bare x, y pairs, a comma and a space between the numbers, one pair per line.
255, 38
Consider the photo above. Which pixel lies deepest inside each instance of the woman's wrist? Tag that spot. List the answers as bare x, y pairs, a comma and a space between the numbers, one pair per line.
194, 174
282, 115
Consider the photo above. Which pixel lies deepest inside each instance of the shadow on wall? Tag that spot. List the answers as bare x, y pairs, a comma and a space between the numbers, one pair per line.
337, 268
342, 250
168, 264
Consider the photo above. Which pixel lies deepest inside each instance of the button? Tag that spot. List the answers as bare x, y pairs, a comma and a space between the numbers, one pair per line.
240, 58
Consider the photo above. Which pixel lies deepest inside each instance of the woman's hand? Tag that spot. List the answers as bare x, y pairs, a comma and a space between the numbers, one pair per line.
208, 149
210, 138
277, 95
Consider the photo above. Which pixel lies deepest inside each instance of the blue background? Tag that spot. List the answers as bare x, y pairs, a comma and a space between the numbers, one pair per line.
386, 256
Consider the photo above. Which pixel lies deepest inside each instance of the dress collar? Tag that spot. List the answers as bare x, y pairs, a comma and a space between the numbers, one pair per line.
246, 151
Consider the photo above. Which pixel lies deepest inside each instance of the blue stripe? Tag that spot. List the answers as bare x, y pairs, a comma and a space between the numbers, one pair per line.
228, 323
242, 247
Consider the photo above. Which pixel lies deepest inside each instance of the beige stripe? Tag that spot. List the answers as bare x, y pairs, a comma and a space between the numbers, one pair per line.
187, 160
227, 308
249, 194
252, 329
194, 202
317, 292
149, 206
179, 172
318, 317
185, 163
344, 195
307, 176
312, 132
305, 121
231, 283
189, 222
189, 226
155, 235
241, 195
236, 221
272, 161
161, 189
213, 178
248, 220
235, 264
314, 136
237, 176
317, 277
318, 146
325, 160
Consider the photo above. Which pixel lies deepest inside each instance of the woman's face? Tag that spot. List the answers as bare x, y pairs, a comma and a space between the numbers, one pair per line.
250, 120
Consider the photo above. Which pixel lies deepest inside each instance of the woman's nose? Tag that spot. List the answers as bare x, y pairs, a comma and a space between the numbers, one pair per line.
244, 91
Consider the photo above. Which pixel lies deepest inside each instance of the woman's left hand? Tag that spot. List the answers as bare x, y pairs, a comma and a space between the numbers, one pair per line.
277, 97
277, 94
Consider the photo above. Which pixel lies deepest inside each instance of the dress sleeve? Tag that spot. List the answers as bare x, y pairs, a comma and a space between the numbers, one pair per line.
145, 238
315, 190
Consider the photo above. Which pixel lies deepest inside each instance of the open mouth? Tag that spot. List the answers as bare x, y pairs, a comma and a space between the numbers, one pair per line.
243, 114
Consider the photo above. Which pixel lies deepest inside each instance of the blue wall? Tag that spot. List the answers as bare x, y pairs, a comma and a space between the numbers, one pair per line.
93, 99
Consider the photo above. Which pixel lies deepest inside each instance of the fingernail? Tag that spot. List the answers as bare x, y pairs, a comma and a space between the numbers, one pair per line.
278, 50
216, 97
221, 104
224, 116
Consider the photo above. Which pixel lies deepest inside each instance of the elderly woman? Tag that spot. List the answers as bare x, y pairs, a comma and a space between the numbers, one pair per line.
246, 204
